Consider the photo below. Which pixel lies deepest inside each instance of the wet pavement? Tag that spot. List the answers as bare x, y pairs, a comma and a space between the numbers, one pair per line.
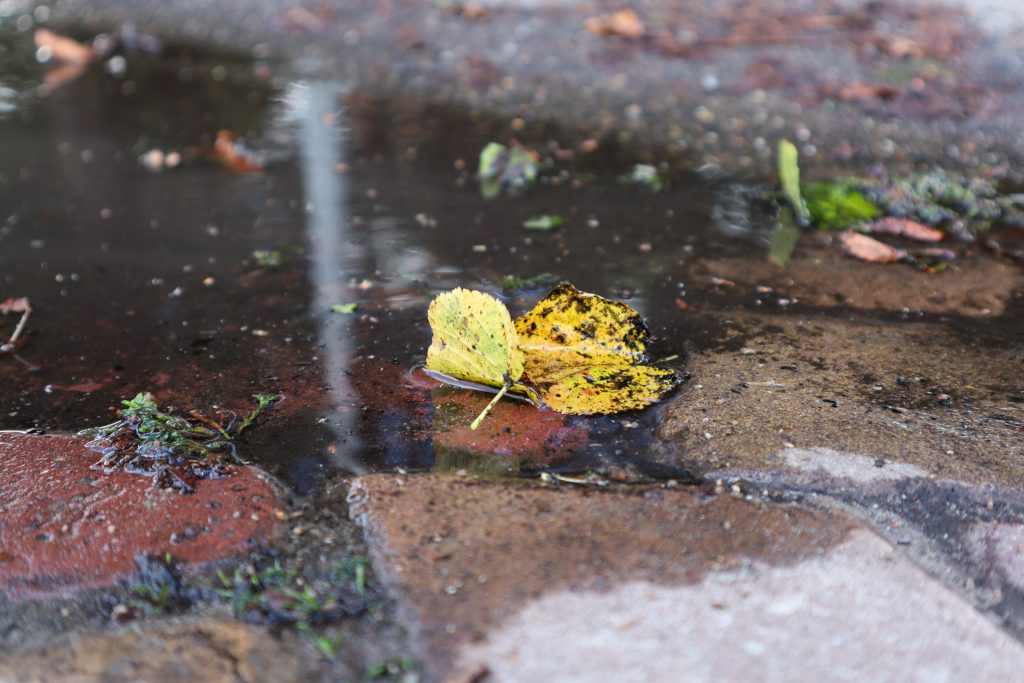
841, 465
857, 82
538, 584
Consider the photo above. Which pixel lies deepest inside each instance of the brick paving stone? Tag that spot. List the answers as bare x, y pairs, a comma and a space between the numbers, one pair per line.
65, 527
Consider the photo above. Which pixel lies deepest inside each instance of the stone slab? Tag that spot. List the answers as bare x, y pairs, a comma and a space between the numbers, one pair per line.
464, 555
209, 650
861, 612
536, 583
919, 394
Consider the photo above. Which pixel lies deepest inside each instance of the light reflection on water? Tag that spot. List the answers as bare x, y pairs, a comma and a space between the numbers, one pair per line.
321, 146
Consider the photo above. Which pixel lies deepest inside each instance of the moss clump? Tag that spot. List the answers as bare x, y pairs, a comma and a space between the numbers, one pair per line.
835, 206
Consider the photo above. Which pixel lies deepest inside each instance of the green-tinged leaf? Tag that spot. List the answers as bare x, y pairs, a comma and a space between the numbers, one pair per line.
544, 222
474, 341
502, 167
789, 178
785, 235
492, 160
490, 188
347, 309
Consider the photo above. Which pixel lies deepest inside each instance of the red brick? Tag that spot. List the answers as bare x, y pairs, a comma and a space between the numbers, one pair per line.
64, 526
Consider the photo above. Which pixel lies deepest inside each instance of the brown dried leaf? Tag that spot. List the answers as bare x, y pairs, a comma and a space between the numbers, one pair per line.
869, 249
227, 152
624, 23
900, 47
62, 74
64, 49
905, 227
859, 90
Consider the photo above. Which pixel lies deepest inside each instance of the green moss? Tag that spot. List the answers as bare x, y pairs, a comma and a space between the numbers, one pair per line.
835, 206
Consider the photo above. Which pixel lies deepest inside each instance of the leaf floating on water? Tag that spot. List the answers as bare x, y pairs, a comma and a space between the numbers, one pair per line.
474, 341
346, 309
869, 249
789, 178
586, 354
544, 222
604, 389
583, 353
267, 258
904, 227
20, 305
569, 328
68, 59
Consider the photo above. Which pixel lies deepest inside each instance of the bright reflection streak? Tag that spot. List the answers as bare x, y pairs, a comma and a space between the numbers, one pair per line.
316, 106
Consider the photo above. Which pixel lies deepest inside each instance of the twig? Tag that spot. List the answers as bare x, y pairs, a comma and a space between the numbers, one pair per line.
19, 328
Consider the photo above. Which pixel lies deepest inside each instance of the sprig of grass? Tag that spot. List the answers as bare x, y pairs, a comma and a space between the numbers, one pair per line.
149, 441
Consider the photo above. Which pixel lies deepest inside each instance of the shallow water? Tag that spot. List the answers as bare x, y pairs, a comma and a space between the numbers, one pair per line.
146, 281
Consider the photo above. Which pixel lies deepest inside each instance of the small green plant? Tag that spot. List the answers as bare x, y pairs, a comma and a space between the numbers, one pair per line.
646, 176
156, 599
836, 206
324, 644
158, 588
280, 595
149, 441
514, 283
267, 258
390, 669
353, 573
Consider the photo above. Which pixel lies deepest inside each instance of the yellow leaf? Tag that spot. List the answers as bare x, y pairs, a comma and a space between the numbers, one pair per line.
569, 328
585, 354
606, 389
474, 339
475, 343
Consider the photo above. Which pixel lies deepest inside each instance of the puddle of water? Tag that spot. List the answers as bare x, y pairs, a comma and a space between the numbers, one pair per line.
146, 281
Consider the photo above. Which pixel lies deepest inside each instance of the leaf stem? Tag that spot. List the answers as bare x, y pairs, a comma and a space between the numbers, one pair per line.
481, 416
